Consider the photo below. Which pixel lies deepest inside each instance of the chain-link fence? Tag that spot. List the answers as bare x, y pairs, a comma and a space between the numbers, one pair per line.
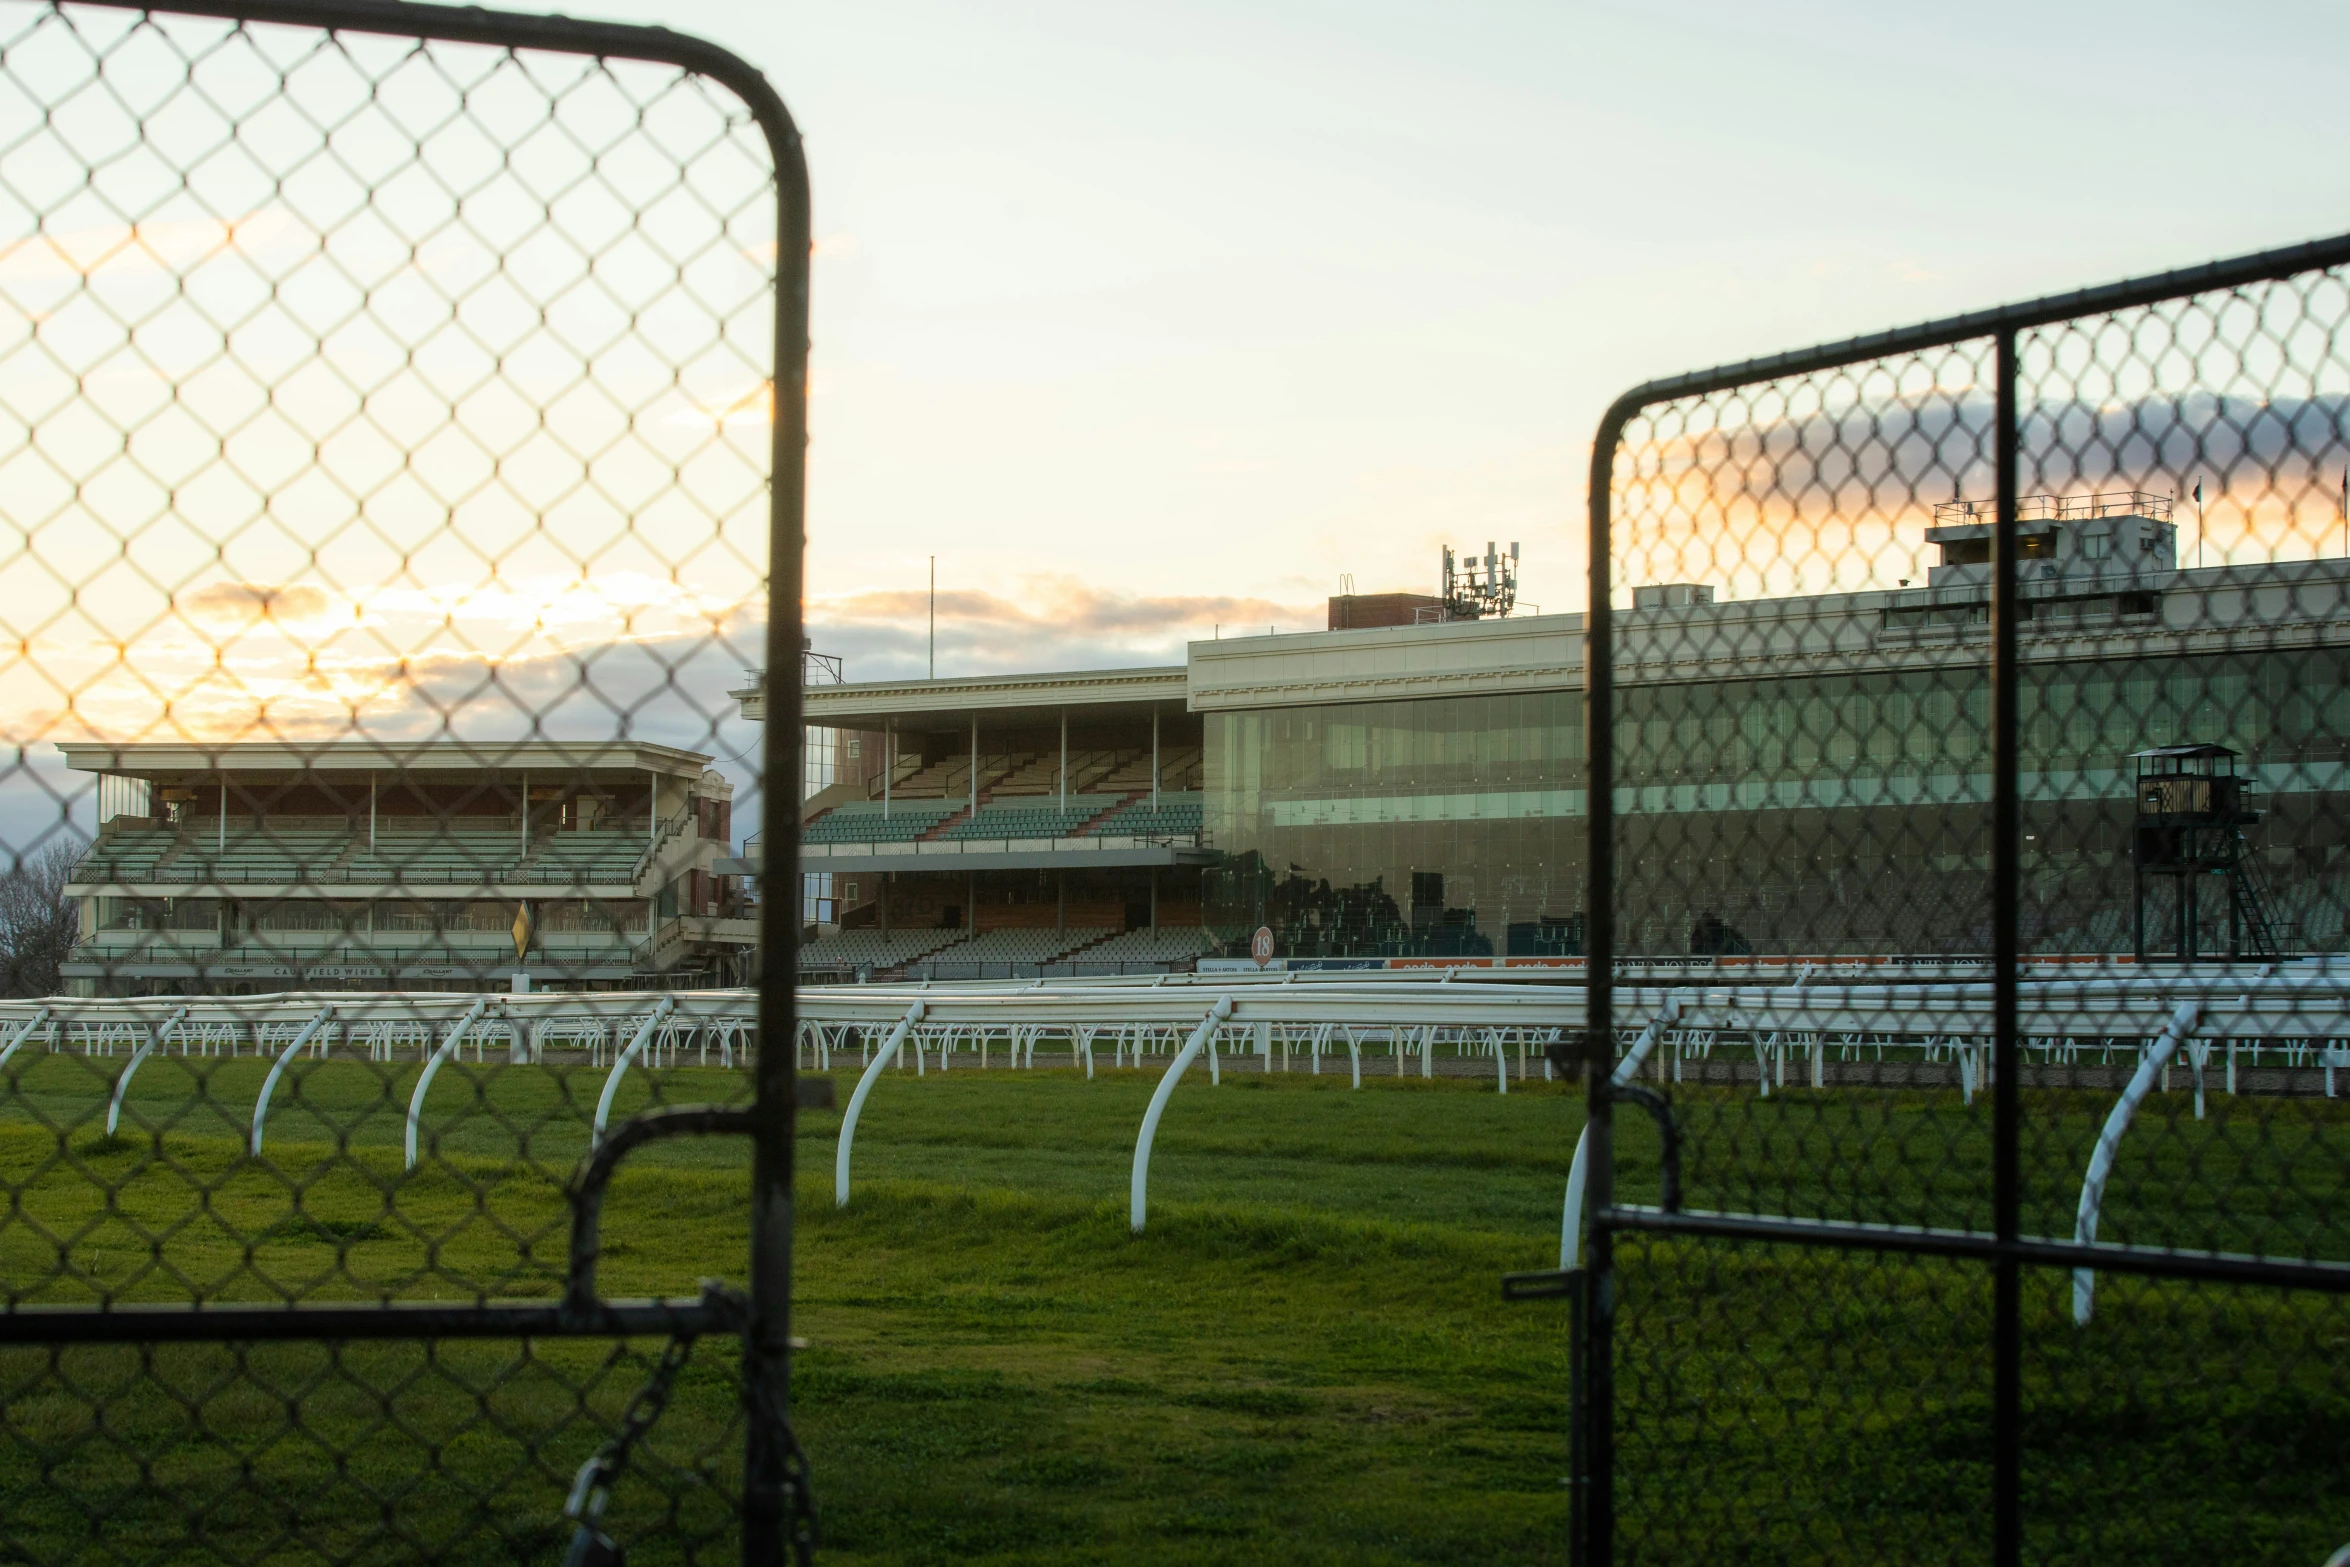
401, 427
1986, 682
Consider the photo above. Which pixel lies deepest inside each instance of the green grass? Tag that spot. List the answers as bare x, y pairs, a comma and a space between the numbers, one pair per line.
1304, 1359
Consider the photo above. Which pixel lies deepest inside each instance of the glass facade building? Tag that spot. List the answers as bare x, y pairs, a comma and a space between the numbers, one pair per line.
1833, 813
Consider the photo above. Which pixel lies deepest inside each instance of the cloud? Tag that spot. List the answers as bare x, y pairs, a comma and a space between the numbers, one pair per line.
1046, 622
232, 604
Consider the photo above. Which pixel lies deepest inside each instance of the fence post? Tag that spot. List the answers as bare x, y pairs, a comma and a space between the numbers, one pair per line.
1597, 1483
778, 1513
2006, 891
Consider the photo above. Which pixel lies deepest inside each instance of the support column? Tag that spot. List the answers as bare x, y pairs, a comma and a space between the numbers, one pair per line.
889, 764
371, 812
1154, 758
1061, 900
970, 903
885, 880
1154, 897
1064, 775
524, 815
975, 764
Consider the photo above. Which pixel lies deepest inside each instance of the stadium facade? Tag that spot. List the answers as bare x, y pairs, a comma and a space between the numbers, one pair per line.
1796, 776
250, 867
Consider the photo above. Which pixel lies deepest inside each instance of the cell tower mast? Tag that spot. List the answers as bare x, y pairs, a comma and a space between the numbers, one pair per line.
1474, 589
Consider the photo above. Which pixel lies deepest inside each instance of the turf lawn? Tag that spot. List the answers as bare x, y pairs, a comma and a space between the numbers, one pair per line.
1305, 1358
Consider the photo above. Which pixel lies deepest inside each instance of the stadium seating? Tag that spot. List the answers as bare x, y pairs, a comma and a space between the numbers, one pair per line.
873, 949
1176, 815
951, 779
259, 854
1167, 944
1031, 817
448, 854
126, 855
591, 857
861, 821
1016, 946
1179, 768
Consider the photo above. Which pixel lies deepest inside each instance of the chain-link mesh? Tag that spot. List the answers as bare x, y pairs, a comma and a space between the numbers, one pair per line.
1807, 928
386, 447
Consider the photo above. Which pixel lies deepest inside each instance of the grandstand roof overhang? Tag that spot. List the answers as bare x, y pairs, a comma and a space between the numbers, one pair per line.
173, 761
1455, 658
1001, 699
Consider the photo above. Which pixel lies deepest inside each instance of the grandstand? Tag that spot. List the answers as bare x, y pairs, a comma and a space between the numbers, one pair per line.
1415, 793
269, 866
1002, 824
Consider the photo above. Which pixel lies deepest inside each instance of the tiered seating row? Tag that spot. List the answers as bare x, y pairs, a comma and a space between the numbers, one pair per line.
264, 855
591, 856
1167, 944
128, 856
1033, 819
863, 822
854, 949
1016, 946
1176, 815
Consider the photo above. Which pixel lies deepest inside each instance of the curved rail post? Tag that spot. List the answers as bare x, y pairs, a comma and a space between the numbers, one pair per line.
644, 1035
1501, 1059
1137, 1201
432, 1066
1578, 1171
269, 1083
848, 1121
2117, 1121
122, 1084
31, 1027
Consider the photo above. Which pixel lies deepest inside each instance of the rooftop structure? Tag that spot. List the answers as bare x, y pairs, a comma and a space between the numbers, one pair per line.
443, 864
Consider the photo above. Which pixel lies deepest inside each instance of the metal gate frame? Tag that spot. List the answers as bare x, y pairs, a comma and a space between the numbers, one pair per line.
777, 1513
2005, 1249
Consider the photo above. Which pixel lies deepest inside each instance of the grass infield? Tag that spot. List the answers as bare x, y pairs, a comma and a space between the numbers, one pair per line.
1304, 1359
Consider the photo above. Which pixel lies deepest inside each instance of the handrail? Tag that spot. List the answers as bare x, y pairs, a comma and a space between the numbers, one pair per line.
889, 1052
1579, 1169
30, 1027
662, 1009
2117, 1121
432, 1067
1138, 1189
122, 1084
269, 1083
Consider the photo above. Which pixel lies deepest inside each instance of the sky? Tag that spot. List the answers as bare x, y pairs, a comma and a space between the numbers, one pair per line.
1150, 324
1147, 321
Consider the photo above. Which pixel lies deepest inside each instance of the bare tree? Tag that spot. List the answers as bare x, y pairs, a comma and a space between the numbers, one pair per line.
38, 923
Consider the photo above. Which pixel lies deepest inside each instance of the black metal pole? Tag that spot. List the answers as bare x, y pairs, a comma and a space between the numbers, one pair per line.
777, 1512
2006, 896
1599, 926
